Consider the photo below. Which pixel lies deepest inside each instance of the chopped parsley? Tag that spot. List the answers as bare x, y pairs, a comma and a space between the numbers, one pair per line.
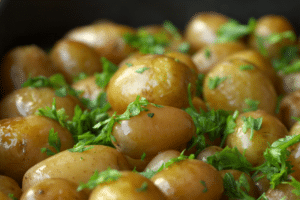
184, 47
171, 28
288, 55
295, 184
10, 195
278, 102
128, 64
143, 187
207, 53
150, 115
252, 105
246, 67
109, 69
279, 37
205, 186
79, 77
253, 124
53, 141
143, 156
214, 82
141, 70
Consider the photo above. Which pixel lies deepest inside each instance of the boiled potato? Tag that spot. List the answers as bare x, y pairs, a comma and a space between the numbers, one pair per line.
21, 141
75, 166
281, 191
158, 78
184, 58
9, 186
162, 158
208, 151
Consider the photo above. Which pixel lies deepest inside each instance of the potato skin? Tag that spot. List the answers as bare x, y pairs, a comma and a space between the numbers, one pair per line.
105, 38
282, 191
22, 61
208, 151
164, 83
251, 84
21, 140
73, 58
162, 158
169, 128
126, 187
271, 130
74, 166
89, 87
54, 188
9, 186
26, 101
198, 180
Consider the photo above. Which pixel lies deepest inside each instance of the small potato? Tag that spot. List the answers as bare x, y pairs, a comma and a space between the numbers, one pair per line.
253, 148
22, 62
73, 58
202, 29
21, 140
236, 86
89, 88
263, 184
184, 58
4, 196
153, 131
266, 26
289, 107
75, 166
53, 189
190, 180
199, 104
282, 191
288, 83
206, 58
158, 78
295, 130
106, 38
26, 101
130, 186
162, 158
208, 151
294, 158
9, 186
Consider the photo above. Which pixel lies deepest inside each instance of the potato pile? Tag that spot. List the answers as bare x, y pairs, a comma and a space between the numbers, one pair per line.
116, 112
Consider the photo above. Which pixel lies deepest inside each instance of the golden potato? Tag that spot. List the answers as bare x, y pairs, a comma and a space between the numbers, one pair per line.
282, 191
198, 180
75, 166
22, 139
4, 196
253, 145
73, 58
9, 186
184, 58
26, 101
228, 85
105, 38
162, 158
54, 188
153, 131
199, 104
158, 78
22, 62
202, 29
288, 83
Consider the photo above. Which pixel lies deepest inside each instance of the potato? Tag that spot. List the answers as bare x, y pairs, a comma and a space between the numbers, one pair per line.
4, 196
253, 148
27, 101
153, 131
89, 88
199, 104
162, 158
206, 58
251, 84
9, 186
22, 62
282, 191
105, 38
198, 180
21, 141
184, 58
202, 29
208, 151
130, 186
75, 166
295, 161
158, 78
266, 26
73, 58
52, 189
263, 184
288, 83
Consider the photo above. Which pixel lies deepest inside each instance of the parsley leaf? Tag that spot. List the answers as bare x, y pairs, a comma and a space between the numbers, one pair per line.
53, 141
253, 124
253, 105
214, 82
288, 54
109, 69
81, 76
141, 70
10, 195
143, 187
295, 184
207, 53
246, 67
171, 28
106, 176
150, 115
205, 186
184, 47
128, 64
143, 156
279, 37
199, 85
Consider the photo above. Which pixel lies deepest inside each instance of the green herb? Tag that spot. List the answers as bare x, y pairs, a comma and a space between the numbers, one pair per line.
109, 69
53, 141
261, 46
81, 76
150, 115
230, 158
253, 124
230, 126
143, 187
205, 186
276, 167
295, 184
171, 28
214, 82
278, 102
288, 55
141, 70
100, 102
128, 64
143, 156
279, 37
246, 67
252, 104
184, 47
199, 85
106, 176
81, 158
10, 195
292, 68
233, 30
207, 53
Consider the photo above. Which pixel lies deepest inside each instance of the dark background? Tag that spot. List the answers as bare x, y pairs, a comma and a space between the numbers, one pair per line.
43, 22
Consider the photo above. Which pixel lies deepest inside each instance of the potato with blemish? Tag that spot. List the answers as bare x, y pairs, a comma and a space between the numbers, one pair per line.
209, 56
230, 83
9, 186
75, 166
21, 140
54, 188
162, 158
153, 131
190, 180
106, 38
252, 138
26, 101
158, 78
73, 58
20, 63
202, 29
